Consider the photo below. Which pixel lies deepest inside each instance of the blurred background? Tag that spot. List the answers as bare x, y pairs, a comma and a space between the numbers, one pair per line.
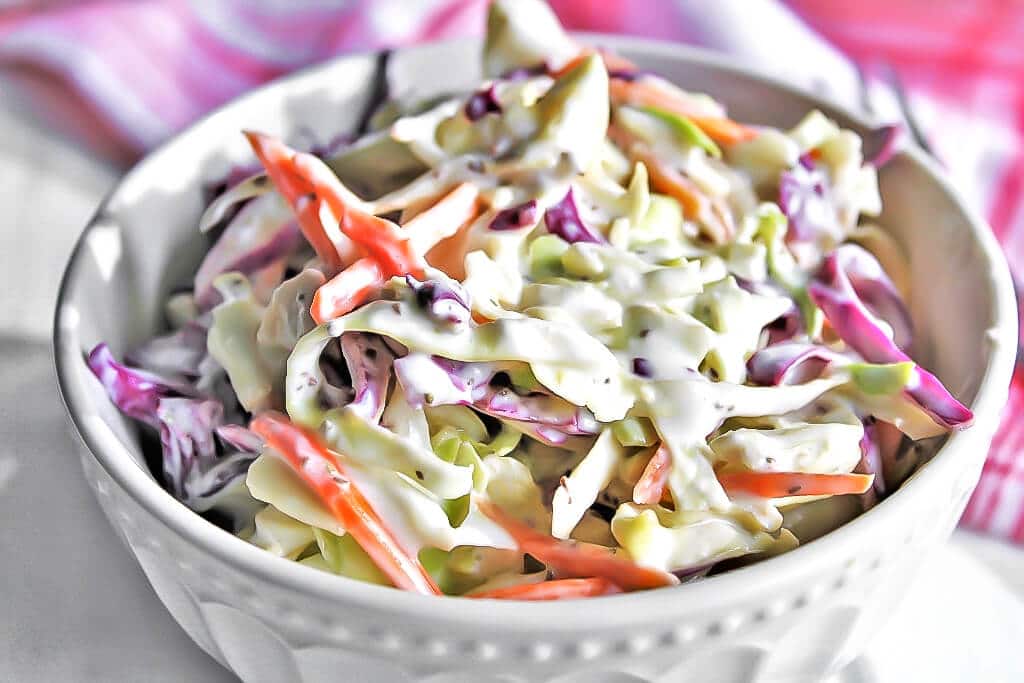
86, 87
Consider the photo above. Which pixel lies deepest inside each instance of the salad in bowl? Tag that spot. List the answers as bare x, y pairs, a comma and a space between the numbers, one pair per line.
574, 333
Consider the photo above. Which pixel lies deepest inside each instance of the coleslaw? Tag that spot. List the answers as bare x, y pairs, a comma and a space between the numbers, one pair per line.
575, 333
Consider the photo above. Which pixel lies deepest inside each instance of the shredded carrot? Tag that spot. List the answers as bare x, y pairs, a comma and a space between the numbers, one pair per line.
558, 589
723, 130
378, 237
571, 64
324, 473
279, 161
347, 290
668, 180
616, 62
445, 218
449, 254
578, 560
640, 93
783, 484
713, 219
650, 487
311, 187
612, 62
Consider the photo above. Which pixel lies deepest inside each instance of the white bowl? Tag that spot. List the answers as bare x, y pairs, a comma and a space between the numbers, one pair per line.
801, 616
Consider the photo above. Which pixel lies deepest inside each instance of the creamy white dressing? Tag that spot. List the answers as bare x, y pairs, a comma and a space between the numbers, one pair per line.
578, 491
662, 539
642, 320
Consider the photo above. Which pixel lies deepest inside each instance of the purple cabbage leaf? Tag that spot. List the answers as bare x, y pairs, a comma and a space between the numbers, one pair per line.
833, 291
805, 197
444, 298
263, 232
876, 291
177, 353
481, 103
197, 467
563, 219
790, 363
516, 217
202, 456
434, 381
871, 463
240, 438
369, 362
135, 392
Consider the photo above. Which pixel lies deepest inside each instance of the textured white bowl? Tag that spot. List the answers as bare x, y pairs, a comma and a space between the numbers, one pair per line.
801, 616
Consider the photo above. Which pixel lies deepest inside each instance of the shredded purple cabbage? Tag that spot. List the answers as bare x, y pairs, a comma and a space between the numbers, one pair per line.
179, 353
241, 173
686, 574
871, 463
876, 291
516, 217
193, 435
563, 219
187, 436
481, 103
248, 244
521, 73
135, 392
786, 326
196, 467
333, 146
627, 74
369, 362
446, 300
202, 455
203, 485
548, 418
832, 291
789, 363
240, 438
642, 367
235, 176
806, 198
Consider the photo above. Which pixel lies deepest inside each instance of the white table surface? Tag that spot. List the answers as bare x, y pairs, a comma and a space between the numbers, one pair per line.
75, 607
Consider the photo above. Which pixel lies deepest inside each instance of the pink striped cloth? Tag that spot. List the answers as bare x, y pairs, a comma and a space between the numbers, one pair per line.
122, 76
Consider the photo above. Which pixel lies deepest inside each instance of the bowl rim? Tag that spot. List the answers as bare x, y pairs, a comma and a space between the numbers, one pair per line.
635, 608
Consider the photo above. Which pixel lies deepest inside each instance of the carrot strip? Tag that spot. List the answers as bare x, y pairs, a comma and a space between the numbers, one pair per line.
450, 253
443, 219
557, 589
614, 62
480, 318
639, 93
310, 187
783, 484
278, 160
570, 65
347, 290
723, 130
324, 473
715, 222
668, 180
650, 487
378, 237
578, 560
